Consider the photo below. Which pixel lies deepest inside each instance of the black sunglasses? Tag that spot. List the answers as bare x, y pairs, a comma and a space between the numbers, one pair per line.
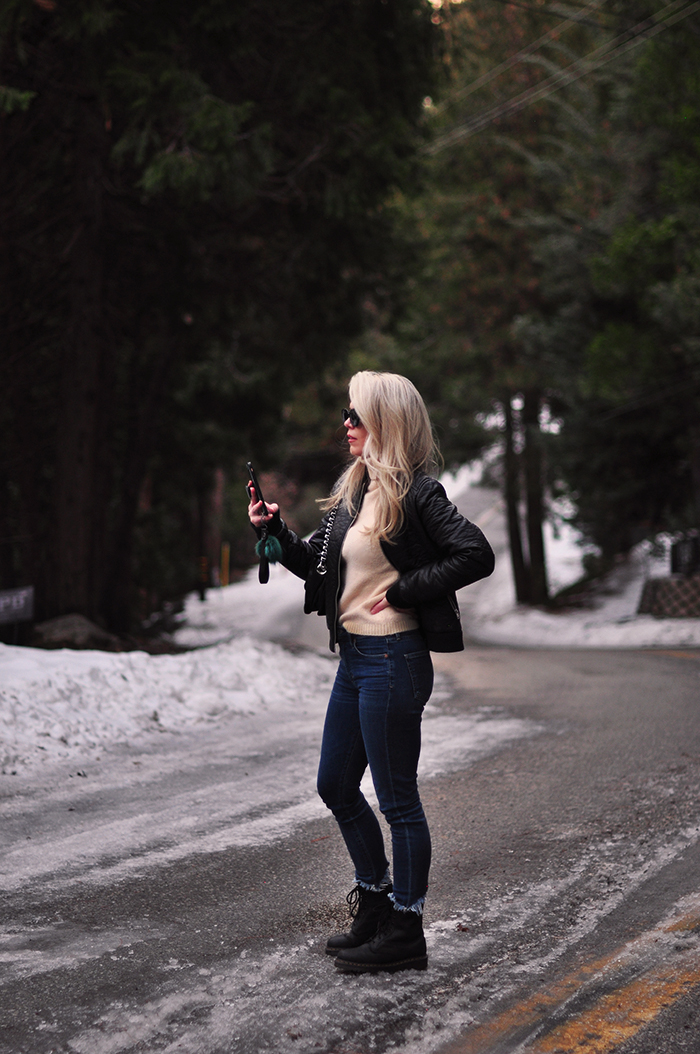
351, 416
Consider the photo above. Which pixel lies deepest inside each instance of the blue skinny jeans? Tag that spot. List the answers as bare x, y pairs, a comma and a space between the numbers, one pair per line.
374, 717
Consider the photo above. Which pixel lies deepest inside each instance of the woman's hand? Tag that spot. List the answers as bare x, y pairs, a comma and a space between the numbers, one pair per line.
384, 603
255, 509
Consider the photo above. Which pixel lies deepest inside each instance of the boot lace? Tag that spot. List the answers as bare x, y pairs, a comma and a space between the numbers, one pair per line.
353, 899
384, 928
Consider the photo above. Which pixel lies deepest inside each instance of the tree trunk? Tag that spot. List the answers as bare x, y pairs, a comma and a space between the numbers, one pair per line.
202, 525
144, 419
521, 576
216, 514
534, 487
694, 447
79, 512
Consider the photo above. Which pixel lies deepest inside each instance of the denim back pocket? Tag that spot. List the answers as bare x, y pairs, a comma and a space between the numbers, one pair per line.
420, 669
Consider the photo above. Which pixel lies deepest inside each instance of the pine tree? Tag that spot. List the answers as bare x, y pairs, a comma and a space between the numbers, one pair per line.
191, 216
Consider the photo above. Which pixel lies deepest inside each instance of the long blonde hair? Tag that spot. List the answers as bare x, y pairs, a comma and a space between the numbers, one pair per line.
400, 442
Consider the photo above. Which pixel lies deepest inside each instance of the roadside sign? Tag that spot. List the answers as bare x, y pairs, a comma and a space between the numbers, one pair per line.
17, 605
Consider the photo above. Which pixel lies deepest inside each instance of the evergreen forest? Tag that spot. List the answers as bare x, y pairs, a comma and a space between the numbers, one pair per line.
211, 214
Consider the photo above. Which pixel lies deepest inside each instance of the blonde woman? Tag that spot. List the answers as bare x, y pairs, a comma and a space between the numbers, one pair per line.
383, 567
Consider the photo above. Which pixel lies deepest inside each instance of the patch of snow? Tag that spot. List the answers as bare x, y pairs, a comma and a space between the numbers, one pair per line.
245, 608
491, 614
460, 479
61, 704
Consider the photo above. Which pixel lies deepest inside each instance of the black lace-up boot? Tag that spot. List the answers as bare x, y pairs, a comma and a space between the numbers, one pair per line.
398, 944
367, 909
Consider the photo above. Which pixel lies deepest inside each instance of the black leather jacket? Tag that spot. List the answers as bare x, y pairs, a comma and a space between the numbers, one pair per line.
436, 552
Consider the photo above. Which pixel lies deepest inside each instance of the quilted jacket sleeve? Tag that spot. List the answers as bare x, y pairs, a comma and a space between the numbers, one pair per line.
298, 554
454, 551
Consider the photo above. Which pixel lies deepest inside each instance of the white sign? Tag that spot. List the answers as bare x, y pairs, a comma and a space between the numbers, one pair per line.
17, 605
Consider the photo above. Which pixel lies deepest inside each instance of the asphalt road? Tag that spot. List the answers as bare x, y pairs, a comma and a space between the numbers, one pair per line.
563, 915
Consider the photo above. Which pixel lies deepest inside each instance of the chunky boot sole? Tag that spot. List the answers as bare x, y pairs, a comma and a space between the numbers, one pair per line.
419, 962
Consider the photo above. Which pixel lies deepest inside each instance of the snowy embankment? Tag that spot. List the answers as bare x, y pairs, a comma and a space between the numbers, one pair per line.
610, 619
67, 704
74, 704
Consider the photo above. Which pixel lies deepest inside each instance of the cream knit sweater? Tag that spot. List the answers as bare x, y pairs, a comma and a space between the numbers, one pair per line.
368, 575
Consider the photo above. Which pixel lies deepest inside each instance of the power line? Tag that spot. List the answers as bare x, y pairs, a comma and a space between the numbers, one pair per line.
591, 62
508, 64
601, 56
572, 16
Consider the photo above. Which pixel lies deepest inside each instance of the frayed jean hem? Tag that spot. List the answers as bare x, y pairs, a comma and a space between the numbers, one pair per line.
417, 906
386, 881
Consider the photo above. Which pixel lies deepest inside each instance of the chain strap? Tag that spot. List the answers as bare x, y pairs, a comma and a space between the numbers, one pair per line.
321, 568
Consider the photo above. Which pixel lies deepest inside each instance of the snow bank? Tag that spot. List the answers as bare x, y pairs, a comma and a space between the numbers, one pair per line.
247, 607
60, 704
56, 704
610, 620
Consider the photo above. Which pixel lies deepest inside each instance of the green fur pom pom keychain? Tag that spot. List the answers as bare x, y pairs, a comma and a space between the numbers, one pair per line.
269, 550
269, 547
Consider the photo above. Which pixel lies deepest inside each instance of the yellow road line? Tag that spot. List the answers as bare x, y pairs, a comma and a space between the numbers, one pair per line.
528, 1012
620, 1015
542, 1024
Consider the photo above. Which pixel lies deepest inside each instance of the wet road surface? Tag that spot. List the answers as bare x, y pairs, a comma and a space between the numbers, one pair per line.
147, 907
